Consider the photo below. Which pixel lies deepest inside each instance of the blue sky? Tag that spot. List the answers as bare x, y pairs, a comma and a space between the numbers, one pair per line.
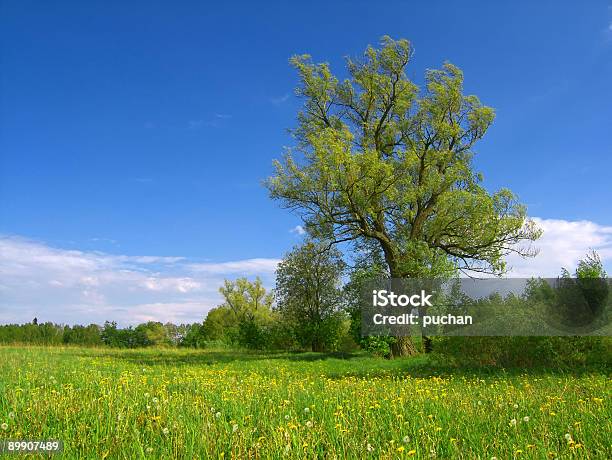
146, 128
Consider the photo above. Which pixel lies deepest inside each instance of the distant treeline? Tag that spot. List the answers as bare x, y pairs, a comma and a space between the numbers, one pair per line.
143, 335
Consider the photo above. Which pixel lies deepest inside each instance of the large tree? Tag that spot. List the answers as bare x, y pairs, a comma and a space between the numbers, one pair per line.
309, 295
378, 159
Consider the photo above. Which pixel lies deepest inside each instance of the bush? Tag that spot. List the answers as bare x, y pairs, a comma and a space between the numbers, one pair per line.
522, 351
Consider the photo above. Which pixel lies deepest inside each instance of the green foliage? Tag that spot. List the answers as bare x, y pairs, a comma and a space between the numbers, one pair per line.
244, 319
379, 160
247, 300
220, 324
193, 336
571, 302
82, 335
579, 304
33, 333
523, 352
309, 296
360, 276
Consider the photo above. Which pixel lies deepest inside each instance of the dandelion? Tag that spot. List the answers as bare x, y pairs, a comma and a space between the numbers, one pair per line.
234, 428
513, 422
480, 403
287, 417
119, 417
406, 439
309, 424
401, 449
218, 414
165, 431
516, 406
369, 447
149, 450
411, 452
146, 395
526, 418
493, 458
307, 410
4, 426
568, 437
11, 414
155, 400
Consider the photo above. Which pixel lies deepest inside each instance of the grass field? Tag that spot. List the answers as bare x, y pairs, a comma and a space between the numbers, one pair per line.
202, 404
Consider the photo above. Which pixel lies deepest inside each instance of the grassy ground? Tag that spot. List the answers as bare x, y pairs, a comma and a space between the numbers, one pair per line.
202, 404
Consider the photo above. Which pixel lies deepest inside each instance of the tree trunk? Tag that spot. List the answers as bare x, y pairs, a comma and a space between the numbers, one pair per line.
403, 347
427, 344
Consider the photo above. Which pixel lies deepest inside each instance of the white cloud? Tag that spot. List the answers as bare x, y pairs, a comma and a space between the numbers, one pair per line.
216, 121
70, 286
280, 100
298, 230
562, 245
248, 266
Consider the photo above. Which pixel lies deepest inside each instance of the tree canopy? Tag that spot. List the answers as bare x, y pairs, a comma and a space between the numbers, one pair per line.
309, 295
379, 159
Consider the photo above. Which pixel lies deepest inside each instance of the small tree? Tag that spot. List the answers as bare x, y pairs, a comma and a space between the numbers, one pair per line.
308, 294
582, 301
154, 333
251, 308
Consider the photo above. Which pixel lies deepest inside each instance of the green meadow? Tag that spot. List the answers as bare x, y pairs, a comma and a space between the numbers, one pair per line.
174, 403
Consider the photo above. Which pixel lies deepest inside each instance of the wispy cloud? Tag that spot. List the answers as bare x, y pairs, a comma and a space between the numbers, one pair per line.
103, 240
248, 266
607, 32
280, 100
72, 286
298, 230
216, 120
